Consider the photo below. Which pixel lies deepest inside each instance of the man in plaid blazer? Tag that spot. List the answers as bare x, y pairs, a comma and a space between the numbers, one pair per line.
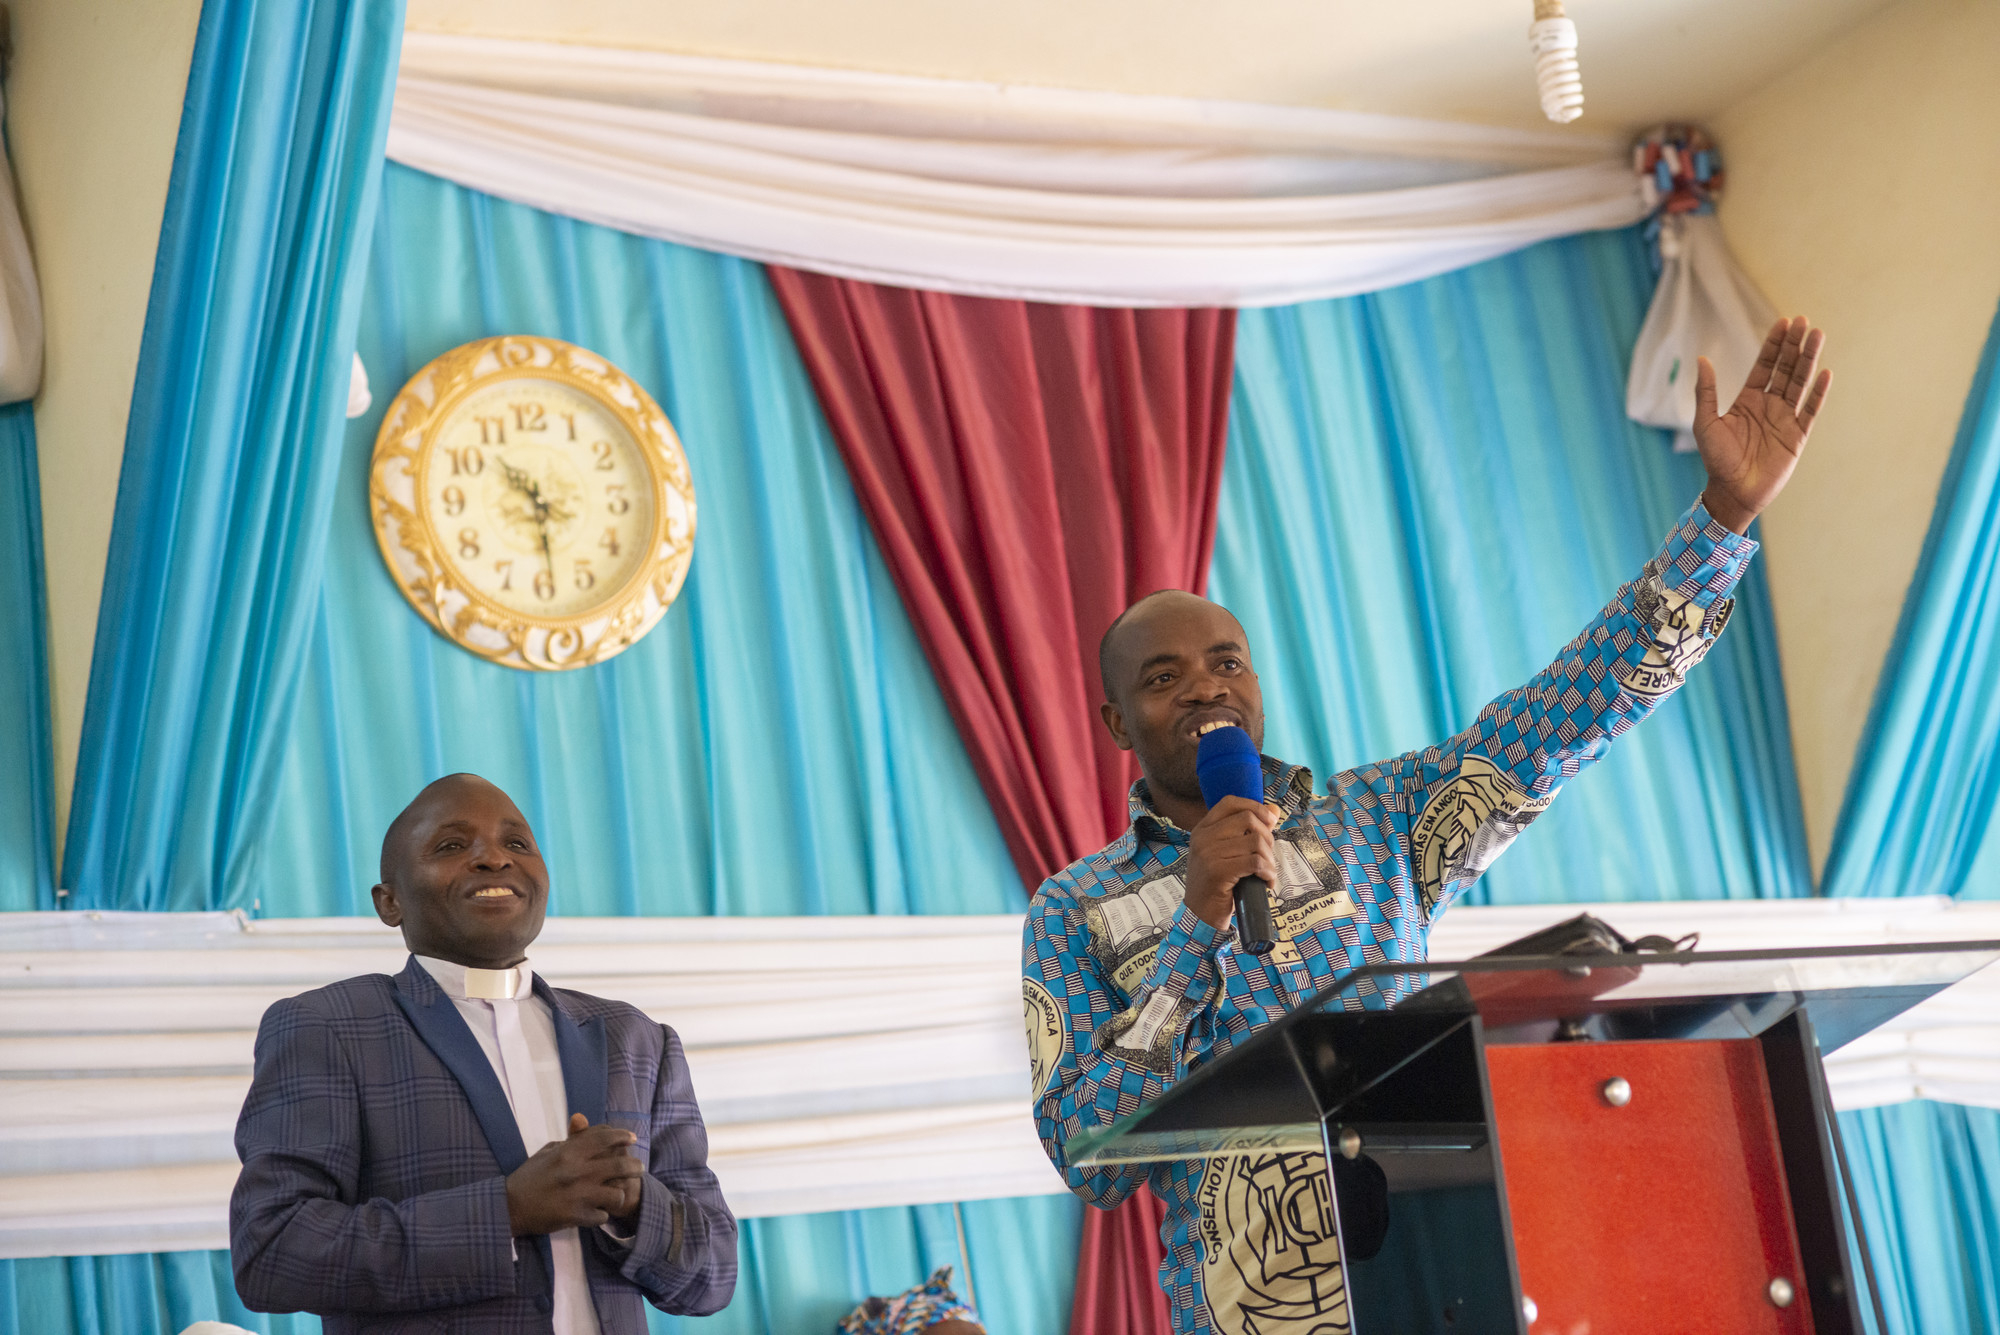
387, 1180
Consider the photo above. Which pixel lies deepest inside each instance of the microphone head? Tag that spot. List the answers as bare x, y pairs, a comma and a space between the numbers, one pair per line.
1227, 764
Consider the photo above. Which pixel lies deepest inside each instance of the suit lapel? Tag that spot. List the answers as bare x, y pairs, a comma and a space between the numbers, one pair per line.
585, 1061
445, 1033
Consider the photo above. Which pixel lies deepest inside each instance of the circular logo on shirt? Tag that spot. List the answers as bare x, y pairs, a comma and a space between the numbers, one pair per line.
1270, 1260
1045, 1034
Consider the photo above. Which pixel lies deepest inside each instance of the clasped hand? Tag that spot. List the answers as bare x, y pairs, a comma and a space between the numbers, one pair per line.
588, 1179
1233, 840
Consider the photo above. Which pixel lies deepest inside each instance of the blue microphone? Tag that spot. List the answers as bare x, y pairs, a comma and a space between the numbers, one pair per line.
1227, 765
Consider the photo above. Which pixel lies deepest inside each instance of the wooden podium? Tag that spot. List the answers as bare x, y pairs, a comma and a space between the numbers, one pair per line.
1567, 1145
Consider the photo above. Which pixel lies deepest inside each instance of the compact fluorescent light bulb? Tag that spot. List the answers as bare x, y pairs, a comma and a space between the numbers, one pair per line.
1553, 40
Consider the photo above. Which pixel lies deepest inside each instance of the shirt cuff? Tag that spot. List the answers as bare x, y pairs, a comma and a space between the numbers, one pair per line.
1187, 953
1702, 560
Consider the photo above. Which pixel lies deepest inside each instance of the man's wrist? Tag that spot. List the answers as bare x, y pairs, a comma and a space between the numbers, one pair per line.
1725, 511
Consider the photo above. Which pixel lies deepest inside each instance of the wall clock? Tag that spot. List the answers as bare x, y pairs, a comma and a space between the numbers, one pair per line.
532, 502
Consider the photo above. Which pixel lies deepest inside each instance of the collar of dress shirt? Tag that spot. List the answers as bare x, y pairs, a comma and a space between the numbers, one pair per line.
463, 983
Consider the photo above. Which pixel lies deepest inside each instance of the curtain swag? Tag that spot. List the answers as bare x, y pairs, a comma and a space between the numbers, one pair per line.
989, 190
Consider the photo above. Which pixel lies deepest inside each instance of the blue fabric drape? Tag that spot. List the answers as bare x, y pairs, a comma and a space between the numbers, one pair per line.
1934, 729
129, 1295
1928, 1179
776, 745
232, 450
27, 793
1428, 491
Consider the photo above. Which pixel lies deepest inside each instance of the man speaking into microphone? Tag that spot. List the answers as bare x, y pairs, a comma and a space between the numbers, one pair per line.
1133, 973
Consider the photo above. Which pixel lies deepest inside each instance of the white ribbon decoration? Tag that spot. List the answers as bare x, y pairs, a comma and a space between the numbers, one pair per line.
1100, 198
841, 1063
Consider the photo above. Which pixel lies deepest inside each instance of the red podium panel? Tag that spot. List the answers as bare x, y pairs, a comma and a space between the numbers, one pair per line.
1669, 1213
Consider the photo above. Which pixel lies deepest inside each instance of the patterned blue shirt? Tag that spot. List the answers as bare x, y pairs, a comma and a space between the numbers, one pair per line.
1126, 989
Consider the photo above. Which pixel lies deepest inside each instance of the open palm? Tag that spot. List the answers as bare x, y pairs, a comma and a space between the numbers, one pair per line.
1751, 450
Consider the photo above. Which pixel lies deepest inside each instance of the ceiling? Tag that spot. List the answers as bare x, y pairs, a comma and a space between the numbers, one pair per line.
1643, 61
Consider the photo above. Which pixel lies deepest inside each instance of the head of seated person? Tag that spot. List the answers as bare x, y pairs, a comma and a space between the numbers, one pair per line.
462, 875
929, 1308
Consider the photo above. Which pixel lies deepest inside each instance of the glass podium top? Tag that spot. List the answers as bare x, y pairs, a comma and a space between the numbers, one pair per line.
1326, 1062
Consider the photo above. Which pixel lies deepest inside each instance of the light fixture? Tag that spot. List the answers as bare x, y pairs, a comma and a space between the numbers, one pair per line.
1553, 40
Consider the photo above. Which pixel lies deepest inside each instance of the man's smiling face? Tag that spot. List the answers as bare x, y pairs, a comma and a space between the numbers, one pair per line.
462, 875
1175, 666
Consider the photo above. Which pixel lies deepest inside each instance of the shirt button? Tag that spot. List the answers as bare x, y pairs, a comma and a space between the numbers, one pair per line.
542, 1303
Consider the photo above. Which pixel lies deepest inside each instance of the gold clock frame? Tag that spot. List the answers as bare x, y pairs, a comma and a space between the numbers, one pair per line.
414, 549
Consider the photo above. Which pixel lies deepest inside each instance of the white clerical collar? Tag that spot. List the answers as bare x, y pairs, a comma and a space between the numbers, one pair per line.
463, 983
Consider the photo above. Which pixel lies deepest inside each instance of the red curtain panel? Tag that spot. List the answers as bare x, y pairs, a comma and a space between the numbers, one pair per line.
1118, 1271
1029, 470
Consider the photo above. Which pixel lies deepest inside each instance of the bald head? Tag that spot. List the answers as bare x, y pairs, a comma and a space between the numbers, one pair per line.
440, 794
462, 875
1173, 664
1131, 626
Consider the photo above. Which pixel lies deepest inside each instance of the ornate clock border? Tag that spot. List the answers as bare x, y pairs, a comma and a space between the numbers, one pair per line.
620, 485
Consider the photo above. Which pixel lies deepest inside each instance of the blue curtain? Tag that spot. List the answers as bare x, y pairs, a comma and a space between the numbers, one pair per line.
27, 792
776, 745
1934, 729
232, 451
1428, 491
128, 1295
1928, 1174
1928, 1179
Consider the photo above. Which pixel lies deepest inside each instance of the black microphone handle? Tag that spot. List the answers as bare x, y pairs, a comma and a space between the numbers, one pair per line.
1253, 916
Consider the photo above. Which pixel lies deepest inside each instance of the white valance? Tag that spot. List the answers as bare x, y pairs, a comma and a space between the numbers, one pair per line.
840, 1063
1100, 198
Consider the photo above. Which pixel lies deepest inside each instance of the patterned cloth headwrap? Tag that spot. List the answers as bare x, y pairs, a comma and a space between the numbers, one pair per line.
913, 1310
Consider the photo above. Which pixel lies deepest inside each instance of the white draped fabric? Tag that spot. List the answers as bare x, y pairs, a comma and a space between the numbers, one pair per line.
1101, 198
841, 1062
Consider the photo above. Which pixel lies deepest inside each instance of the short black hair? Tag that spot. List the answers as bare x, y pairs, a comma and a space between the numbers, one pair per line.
1104, 640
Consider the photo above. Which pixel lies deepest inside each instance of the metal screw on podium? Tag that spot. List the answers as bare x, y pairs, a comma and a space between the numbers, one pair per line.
1617, 1091
1781, 1292
1350, 1143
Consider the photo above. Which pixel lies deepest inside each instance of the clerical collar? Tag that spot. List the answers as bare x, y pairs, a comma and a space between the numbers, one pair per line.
463, 983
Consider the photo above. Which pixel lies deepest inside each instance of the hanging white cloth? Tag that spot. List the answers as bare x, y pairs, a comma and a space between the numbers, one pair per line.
20, 300
1100, 198
1704, 306
841, 1063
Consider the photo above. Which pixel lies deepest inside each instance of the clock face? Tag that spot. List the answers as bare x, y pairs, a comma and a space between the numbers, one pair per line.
541, 500
533, 502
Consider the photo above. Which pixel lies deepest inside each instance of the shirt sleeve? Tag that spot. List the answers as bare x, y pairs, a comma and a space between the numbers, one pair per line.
1454, 808
682, 1253
304, 1237
1095, 1054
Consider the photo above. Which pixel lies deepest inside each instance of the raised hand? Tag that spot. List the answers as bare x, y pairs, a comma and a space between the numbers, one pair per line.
1751, 450
579, 1182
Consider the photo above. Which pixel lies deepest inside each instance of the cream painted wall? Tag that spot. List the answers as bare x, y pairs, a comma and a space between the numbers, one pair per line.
94, 106
1643, 60
1864, 191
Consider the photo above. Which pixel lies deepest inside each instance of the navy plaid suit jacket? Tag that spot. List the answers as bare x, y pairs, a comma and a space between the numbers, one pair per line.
376, 1141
